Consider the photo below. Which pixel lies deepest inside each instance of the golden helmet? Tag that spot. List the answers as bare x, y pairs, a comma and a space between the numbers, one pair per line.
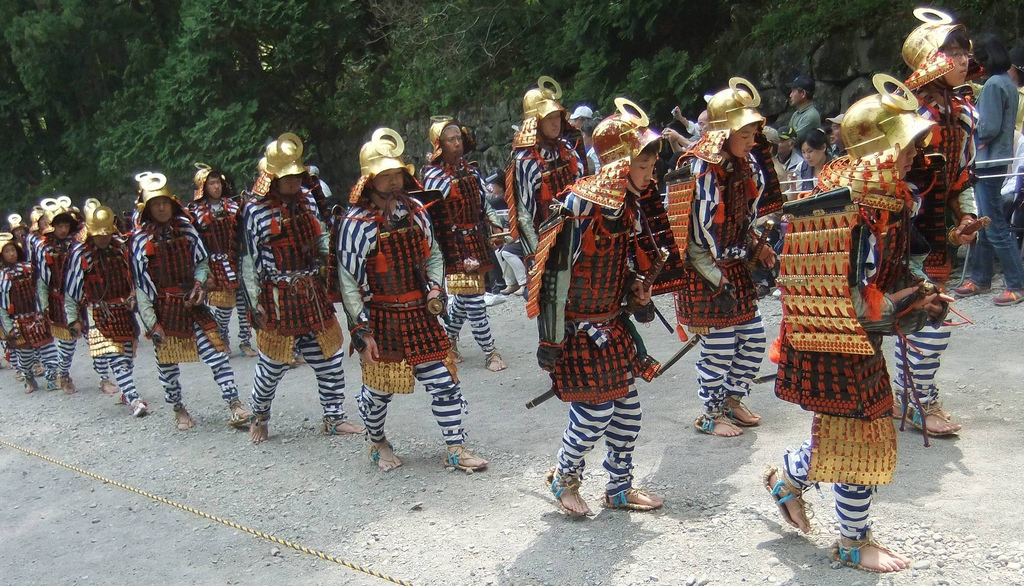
885, 121
15, 221
437, 126
284, 156
37, 214
8, 238
543, 99
921, 49
735, 107
151, 186
623, 134
99, 220
382, 153
56, 207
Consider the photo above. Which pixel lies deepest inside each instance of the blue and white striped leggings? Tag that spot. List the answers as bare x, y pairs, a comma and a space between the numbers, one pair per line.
217, 361
618, 422
852, 500
25, 358
445, 401
65, 352
122, 367
222, 315
330, 378
473, 307
729, 360
923, 354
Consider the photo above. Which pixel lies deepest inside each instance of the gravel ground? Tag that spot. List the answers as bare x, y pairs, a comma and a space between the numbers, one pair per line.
952, 507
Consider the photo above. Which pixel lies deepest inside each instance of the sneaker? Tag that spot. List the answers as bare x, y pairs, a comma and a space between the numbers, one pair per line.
490, 299
970, 288
1009, 297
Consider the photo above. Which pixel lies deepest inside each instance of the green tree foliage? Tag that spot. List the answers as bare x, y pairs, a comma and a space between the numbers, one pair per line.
94, 91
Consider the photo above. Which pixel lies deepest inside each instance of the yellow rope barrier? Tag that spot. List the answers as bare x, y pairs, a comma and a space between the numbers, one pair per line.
232, 524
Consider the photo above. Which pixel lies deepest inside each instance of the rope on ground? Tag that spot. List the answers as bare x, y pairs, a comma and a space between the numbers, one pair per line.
232, 524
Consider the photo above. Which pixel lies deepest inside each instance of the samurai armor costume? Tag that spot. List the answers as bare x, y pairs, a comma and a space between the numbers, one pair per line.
722, 199
170, 265
941, 177
217, 224
294, 295
106, 290
407, 334
22, 307
54, 254
459, 224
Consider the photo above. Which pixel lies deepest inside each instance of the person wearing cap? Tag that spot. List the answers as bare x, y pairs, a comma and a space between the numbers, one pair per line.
462, 228
835, 368
100, 302
215, 214
836, 148
543, 164
787, 154
997, 111
287, 243
50, 257
391, 271
169, 267
801, 97
582, 119
23, 324
719, 300
939, 54
583, 294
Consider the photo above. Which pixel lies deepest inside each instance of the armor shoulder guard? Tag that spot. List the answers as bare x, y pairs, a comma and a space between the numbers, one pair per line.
546, 240
681, 185
817, 271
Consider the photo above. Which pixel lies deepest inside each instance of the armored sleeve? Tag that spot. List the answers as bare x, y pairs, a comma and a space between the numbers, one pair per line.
5, 302
527, 179
74, 279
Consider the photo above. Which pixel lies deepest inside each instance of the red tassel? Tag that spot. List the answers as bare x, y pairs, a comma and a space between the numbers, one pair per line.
589, 244
150, 248
775, 352
380, 263
275, 227
874, 299
682, 333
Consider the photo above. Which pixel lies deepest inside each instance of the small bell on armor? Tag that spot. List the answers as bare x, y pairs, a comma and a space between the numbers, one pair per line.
471, 265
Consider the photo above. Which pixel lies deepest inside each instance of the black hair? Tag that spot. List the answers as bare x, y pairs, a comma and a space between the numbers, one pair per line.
497, 179
814, 138
651, 149
957, 38
991, 54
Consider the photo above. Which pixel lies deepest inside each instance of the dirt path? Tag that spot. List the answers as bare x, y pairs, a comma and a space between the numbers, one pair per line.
953, 507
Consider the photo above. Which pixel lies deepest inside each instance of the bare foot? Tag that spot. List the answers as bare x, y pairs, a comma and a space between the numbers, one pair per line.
569, 499
741, 413
636, 499
239, 416
793, 508
461, 458
109, 388
384, 456
717, 425
495, 363
259, 431
68, 386
878, 559
183, 419
346, 427
936, 424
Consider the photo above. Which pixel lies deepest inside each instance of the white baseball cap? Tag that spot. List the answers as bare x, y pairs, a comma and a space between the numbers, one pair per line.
582, 112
